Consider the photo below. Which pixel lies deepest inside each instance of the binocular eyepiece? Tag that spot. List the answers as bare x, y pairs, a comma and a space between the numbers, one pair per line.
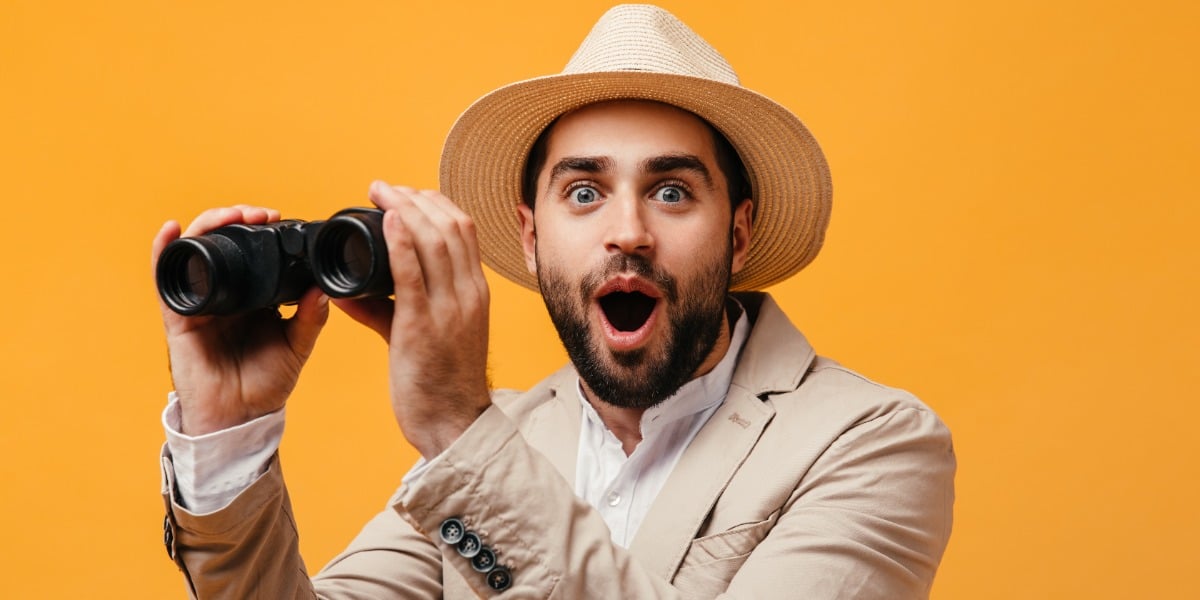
239, 268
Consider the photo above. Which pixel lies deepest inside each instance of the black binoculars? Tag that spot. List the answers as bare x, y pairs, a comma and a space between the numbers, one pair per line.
239, 268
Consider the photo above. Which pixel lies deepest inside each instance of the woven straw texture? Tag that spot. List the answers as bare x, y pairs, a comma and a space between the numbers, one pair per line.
643, 52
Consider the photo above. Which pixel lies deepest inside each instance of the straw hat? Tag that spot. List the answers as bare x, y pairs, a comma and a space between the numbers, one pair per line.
643, 52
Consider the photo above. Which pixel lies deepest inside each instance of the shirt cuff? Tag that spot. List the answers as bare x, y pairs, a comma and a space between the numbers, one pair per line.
212, 469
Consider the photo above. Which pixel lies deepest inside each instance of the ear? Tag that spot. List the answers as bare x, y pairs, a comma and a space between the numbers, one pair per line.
528, 236
743, 226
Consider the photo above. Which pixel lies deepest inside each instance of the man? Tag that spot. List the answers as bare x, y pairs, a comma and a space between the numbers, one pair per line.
695, 447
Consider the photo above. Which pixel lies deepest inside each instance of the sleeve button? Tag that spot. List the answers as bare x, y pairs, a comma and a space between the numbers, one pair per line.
470, 545
484, 561
499, 579
452, 530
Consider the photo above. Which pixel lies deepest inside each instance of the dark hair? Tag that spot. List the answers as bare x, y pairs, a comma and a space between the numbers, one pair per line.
736, 179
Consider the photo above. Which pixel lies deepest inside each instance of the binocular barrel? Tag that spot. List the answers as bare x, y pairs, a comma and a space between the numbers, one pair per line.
239, 268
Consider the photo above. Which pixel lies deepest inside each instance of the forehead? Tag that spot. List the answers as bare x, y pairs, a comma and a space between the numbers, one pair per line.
629, 128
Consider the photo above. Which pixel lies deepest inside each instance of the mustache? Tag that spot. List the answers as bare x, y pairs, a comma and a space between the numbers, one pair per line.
631, 264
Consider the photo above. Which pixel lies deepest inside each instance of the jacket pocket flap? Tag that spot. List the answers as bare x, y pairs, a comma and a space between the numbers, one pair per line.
739, 541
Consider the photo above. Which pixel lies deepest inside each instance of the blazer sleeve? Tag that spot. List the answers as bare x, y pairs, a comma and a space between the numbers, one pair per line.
553, 544
869, 519
249, 549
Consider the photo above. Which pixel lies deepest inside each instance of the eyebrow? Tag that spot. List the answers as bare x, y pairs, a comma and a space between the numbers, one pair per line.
657, 164
586, 164
678, 162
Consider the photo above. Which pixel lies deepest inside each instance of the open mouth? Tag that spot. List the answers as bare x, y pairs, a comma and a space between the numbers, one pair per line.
627, 311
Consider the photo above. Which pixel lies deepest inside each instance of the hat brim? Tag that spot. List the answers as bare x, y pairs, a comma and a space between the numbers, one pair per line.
484, 158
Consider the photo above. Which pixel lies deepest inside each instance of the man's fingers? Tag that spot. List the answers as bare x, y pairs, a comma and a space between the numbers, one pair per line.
441, 236
408, 275
439, 244
386, 196
375, 313
459, 224
168, 233
418, 251
219, 217
257, 215
212, 219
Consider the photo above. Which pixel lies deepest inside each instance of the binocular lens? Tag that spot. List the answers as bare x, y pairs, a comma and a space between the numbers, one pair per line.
196, 285
345, 258
354, 260
185, 274
349, 258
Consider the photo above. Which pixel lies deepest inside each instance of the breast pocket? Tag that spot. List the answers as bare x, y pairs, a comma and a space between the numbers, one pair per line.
712, 561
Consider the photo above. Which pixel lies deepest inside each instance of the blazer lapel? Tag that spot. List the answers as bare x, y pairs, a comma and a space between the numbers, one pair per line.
552, 426
698, 480
774, 359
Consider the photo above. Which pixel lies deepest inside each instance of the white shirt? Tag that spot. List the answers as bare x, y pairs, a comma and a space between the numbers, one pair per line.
623, 488
212, 469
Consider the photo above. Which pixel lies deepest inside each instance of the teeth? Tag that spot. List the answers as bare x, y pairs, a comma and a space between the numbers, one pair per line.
627, 311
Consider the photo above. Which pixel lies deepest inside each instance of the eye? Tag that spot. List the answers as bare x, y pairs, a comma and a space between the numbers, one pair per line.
670, 194
583, 194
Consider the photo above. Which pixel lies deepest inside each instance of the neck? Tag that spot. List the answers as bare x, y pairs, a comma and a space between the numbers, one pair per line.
626, 423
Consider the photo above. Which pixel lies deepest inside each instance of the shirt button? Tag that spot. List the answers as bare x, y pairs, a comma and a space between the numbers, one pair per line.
614, 498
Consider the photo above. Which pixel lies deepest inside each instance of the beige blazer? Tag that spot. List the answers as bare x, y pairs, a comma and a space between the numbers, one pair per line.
810, 481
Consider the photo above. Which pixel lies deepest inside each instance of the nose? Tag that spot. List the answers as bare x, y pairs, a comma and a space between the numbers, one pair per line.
627, 230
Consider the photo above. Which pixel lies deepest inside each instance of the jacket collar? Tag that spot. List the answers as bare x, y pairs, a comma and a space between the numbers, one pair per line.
774, 360
776, 356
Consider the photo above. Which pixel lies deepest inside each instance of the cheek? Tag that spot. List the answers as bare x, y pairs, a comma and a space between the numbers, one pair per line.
570, 247
695, 242
557, 255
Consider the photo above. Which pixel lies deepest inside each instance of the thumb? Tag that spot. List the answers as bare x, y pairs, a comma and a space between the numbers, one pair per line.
375, 313
311, 314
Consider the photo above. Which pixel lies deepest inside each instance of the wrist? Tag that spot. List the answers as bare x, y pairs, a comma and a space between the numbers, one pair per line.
196, 421
433, 436
196, 427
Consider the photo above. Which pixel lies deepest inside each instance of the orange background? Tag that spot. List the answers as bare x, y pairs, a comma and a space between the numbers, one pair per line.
1013, 240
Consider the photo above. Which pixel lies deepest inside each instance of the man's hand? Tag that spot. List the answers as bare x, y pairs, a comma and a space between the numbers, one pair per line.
437, 327
230, 370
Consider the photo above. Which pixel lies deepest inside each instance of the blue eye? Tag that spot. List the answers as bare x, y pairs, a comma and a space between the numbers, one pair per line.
583, 195
669, 193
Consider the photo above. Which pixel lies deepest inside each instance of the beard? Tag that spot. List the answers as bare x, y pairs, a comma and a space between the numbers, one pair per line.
644, 377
